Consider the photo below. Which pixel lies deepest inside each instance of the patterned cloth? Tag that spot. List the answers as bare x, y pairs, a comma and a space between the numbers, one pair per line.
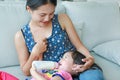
48, 74
58, 42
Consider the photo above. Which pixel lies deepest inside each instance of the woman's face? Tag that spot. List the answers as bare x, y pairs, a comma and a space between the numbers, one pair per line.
66, 63
43, 15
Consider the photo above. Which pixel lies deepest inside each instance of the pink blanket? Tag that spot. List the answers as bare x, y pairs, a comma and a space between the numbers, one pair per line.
7, 76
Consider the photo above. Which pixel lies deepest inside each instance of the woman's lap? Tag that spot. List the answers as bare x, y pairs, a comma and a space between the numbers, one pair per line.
91, 74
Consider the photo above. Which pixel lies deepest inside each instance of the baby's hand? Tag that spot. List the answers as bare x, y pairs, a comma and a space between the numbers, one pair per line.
33, 67
33, 70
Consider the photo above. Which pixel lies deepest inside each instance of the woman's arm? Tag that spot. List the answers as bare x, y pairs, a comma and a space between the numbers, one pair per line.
25, 58
67, 25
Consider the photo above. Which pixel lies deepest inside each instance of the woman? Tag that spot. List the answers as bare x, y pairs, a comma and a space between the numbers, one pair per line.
48, 36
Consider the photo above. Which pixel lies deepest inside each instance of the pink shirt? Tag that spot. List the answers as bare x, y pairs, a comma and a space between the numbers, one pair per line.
63, 74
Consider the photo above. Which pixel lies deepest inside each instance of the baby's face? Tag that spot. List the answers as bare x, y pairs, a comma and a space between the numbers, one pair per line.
66, 63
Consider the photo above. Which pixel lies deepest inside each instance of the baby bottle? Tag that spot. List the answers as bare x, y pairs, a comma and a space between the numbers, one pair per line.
41, 65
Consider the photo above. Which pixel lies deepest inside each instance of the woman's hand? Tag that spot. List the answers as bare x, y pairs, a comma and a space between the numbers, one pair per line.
88, 63
39, 47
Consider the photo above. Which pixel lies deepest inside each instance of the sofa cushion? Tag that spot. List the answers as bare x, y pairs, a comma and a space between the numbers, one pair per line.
109, 50
78, 28
15, 71
59, 8
111, 71
102, 21
12, 16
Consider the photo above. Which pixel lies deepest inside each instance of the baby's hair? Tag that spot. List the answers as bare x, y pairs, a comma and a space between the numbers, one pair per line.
77, 57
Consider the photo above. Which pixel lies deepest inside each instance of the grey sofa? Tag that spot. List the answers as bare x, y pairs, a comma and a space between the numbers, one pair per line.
95, 23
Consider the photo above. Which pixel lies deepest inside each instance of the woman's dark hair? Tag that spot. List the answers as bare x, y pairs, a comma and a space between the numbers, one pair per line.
77, 57
34, 4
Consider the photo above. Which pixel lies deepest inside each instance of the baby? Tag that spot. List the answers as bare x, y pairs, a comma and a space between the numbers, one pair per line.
49, 70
